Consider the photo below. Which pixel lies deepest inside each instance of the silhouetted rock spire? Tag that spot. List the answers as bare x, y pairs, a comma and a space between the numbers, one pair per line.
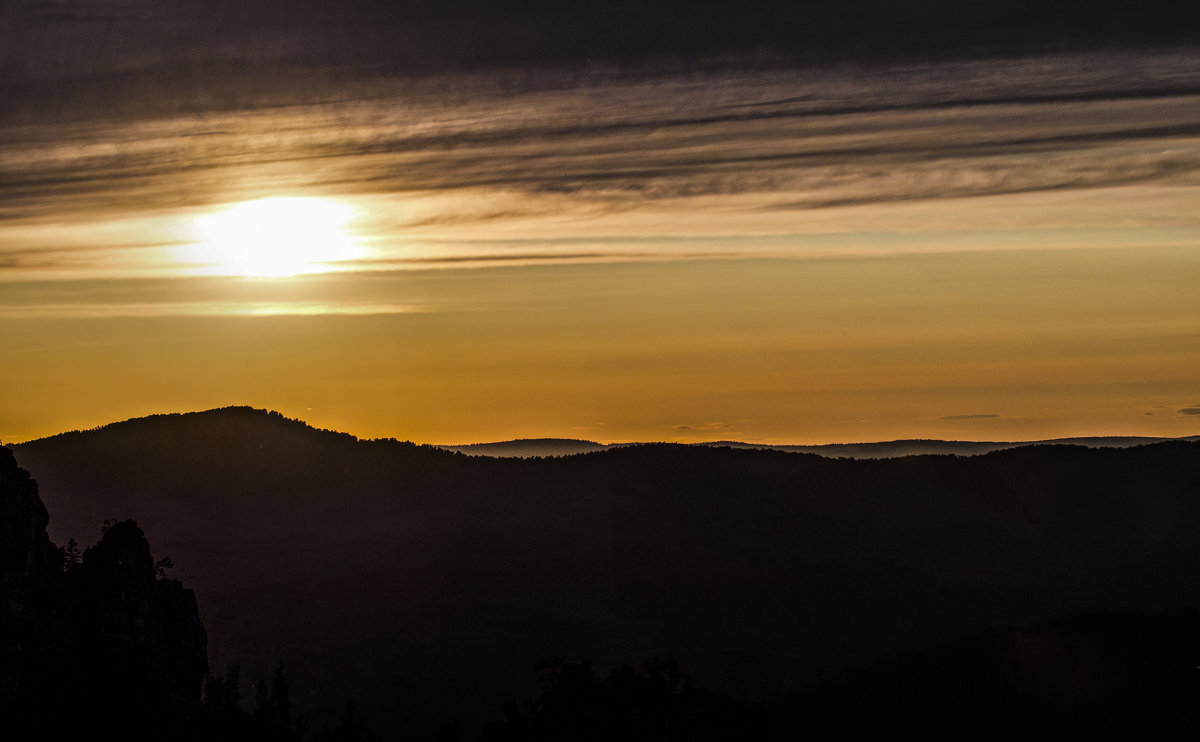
145, 648
26, 553
106, 639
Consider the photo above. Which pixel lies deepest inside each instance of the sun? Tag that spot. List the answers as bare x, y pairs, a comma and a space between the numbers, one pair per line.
273, 237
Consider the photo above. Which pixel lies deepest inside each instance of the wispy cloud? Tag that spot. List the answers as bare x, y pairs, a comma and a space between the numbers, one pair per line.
955, 131
107, 298
613, 169
197, 309
704, 427
969, 417
1190, 410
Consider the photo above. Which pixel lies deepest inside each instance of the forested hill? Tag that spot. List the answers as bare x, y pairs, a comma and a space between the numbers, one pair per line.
389, 572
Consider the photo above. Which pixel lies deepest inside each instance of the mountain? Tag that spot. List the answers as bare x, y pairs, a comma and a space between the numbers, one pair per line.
531, 447
922, 447
426, 584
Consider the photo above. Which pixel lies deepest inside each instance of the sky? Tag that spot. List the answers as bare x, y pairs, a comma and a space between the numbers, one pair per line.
483, 221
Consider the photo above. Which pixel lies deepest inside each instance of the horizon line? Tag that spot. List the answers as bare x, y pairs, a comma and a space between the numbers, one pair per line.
608, 444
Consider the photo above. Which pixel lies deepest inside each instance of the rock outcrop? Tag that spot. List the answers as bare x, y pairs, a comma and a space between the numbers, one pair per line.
105, 641
27, 556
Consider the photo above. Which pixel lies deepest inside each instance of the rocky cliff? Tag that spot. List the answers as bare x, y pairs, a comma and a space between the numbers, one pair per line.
99, 642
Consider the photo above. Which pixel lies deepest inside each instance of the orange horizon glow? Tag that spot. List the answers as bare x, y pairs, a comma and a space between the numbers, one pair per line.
973, 346
759, 257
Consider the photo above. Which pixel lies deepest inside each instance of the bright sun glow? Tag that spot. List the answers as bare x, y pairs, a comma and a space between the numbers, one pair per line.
273, 237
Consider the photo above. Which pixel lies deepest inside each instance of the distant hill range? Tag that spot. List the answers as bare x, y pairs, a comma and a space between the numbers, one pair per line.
427, 584
547, 447
530, 447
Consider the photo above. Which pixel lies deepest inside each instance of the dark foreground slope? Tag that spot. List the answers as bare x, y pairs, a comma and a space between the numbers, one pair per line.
426, 584
1090, 677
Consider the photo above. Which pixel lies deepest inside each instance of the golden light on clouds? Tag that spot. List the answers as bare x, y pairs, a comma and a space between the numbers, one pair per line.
967, 251
272, 237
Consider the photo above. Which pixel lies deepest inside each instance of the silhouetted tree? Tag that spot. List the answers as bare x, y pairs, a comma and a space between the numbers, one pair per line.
71, 555
273, 709
657, 702
161, 567
224, 692
349, 729
221, 716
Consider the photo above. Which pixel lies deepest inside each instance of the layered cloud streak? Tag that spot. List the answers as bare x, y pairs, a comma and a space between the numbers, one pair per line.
664, 137
614, 168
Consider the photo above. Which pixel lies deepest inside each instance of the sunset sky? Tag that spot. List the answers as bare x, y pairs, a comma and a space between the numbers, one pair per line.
379, 222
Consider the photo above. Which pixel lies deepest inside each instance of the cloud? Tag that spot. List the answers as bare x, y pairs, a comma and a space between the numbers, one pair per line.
495, 258
418, 35
706, 427
815, 143
200, 309
1190, 410
742, 155
968, 417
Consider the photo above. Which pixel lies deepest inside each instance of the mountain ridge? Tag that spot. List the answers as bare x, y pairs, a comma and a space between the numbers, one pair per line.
760, 570
553, 446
